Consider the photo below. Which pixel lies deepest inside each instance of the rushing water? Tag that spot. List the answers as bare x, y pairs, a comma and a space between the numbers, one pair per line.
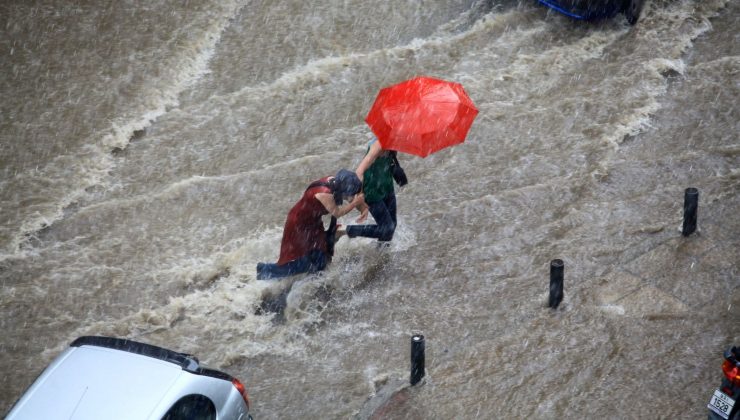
149, 152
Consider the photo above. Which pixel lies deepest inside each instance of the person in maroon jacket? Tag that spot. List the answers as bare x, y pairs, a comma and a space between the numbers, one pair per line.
306, 246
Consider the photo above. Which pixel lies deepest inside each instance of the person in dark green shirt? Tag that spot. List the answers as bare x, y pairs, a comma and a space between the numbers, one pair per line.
380, 197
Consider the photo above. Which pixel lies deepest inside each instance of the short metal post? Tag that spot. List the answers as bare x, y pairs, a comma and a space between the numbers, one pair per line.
417, 358
556, 283
690, 209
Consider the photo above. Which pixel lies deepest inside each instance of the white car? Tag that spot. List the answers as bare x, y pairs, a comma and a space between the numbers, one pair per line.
112, 378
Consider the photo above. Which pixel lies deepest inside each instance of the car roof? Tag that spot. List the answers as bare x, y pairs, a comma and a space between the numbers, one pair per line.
94, 379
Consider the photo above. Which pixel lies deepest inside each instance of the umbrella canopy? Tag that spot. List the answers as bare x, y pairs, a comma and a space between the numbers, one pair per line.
421, 116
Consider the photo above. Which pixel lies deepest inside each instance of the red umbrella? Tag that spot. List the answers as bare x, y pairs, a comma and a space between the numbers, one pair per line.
421, 116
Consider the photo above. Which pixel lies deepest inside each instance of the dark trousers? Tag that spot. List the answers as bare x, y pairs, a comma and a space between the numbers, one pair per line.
315, 261
384, 213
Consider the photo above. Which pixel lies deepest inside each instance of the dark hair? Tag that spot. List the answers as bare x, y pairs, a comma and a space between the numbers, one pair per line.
345, 184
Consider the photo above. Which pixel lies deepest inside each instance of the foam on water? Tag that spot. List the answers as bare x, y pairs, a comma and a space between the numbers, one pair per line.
90, 158
566, 159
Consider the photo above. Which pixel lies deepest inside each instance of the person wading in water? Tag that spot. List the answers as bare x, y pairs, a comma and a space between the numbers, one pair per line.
378, 169
306, 247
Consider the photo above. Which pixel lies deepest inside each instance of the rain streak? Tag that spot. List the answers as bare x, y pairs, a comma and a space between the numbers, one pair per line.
150, 153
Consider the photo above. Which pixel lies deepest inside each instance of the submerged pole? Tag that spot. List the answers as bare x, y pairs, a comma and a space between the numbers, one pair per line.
690, 210
556, 283
417, 358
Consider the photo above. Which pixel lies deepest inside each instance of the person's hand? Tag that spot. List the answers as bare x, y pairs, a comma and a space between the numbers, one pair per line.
363, 214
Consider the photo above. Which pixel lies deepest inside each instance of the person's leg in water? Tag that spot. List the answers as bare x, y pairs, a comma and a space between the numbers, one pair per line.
390, 203
315, 261
384, 213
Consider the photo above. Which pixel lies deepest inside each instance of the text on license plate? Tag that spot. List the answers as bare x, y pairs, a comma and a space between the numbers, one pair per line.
721, 404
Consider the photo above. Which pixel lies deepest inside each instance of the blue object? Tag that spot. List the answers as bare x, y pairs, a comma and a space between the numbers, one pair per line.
347, 183
586, 9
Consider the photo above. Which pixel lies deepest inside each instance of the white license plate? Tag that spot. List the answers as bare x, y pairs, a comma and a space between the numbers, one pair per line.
721, 404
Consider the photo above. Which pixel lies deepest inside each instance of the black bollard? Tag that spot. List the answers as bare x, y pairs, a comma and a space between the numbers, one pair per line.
690, 209
556, 283
417, 358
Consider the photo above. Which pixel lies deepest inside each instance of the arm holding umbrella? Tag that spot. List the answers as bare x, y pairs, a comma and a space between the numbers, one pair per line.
375, 150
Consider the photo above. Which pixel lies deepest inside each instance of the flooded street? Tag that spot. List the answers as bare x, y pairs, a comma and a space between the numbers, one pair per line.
149, 156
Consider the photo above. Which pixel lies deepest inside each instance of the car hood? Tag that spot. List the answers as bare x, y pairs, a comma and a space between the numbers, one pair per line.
94, 383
